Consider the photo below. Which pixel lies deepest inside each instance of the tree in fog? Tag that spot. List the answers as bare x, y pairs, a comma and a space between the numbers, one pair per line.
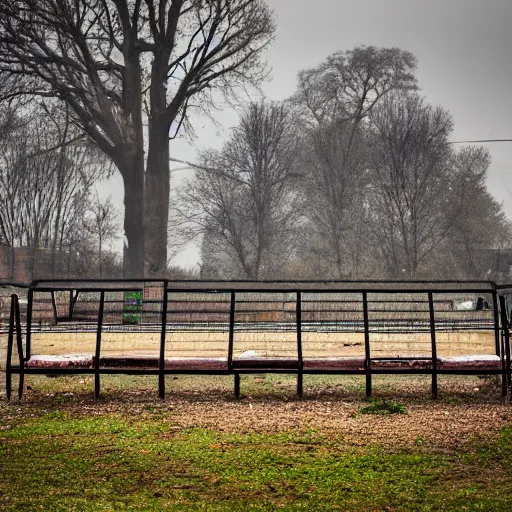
243, 197
102, 224
333, 191
412, 198
334, 101
348, 85
45, 178
121, 64
481, 223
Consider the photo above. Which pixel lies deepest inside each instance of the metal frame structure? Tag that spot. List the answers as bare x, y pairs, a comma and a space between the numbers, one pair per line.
237, 367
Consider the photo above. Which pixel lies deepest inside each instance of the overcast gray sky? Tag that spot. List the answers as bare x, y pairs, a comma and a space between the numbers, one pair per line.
464, 52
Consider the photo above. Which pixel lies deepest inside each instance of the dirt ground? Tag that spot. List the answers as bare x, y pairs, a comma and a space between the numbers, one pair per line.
446, 426
469, 408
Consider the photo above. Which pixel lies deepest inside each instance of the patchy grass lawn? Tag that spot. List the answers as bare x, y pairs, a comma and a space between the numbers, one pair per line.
202, 450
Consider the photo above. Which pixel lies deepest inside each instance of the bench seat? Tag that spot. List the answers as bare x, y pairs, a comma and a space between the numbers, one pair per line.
334, 363
402, 362
471, 362
170, 363
265, 363
196, 363
61, 361
86, 360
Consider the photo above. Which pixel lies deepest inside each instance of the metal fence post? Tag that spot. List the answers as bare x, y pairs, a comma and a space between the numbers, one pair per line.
298, 320
98, 346
161, 363
30, 305
367, 355
497, 338
10, 340
433, 342
231, 329
505, 345
231, 334
19, 344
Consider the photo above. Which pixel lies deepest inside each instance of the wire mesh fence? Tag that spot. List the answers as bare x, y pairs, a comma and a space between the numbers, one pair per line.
265, 317
239, 327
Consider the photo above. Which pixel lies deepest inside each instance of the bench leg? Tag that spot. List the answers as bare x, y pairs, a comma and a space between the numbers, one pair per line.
504, 384
161, 386
368, 385
299, 384
237, 385
8, 385
97, 385
21, 385
434, 386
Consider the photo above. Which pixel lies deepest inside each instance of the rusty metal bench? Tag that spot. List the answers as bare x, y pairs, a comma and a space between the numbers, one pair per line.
278, 311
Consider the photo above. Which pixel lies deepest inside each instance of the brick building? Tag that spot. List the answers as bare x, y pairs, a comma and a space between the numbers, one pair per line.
21, 265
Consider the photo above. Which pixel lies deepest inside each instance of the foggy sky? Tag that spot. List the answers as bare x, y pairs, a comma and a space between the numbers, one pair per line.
464, 52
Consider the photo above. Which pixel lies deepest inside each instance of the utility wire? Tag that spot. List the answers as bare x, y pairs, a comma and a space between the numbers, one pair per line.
479, 141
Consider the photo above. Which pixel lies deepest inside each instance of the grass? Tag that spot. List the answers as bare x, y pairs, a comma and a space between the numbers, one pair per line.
61, 462
383, 407
65, 452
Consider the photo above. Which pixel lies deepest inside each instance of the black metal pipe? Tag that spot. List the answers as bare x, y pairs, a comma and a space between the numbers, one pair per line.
97, 352
54, 308
434, 344
30, 304
161, 374
237, 384
70, 305
498, 341
231, 333
505, 338
496, 319
227, 289
367, 354
355, 291
300, 379
19, 343
10, 340
298, 320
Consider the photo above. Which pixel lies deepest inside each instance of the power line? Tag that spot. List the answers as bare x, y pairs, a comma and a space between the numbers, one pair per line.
479, 141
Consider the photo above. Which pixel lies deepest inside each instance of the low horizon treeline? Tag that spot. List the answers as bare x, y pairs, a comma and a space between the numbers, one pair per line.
353, 177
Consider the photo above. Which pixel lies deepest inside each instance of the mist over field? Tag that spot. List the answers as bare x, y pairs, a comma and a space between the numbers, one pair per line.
241, 140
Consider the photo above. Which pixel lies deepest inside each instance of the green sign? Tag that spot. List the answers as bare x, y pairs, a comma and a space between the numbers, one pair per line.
132, 310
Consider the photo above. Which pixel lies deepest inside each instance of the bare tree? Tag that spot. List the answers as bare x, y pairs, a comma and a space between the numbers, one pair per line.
115, 62
44, 183
333, 190
481, 224
348, 85
243, 197
412, 194
103, 224
334, 100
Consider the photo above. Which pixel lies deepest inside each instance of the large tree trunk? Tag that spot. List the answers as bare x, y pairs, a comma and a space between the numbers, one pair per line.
156, 201
132, 171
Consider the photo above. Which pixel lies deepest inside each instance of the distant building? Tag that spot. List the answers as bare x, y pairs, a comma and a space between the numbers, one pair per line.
21, 265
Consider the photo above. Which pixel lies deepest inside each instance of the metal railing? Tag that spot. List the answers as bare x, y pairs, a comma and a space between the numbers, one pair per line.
237, 307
